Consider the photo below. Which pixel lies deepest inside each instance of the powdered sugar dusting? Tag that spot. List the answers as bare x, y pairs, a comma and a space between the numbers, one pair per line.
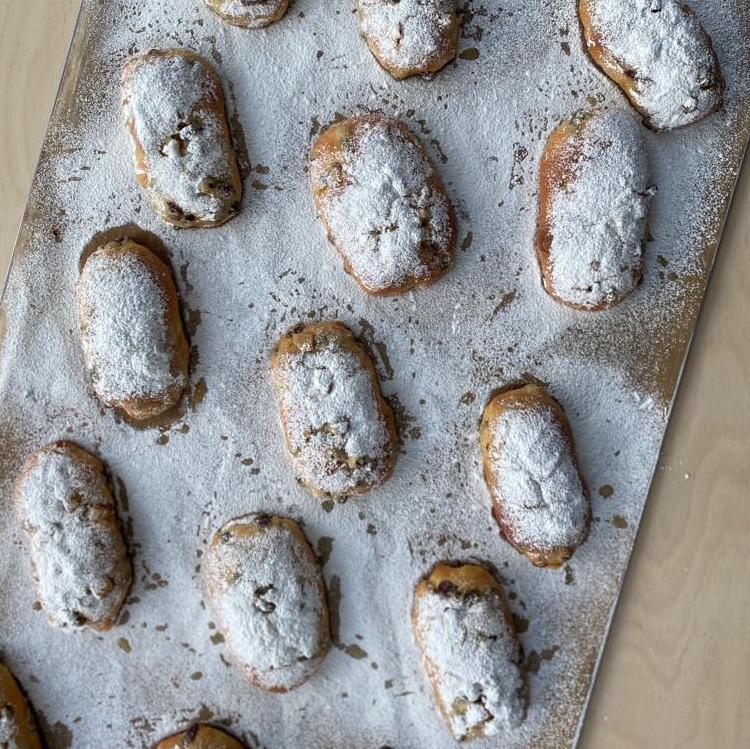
253, 14
266, 590
69, 514
538, 484
676, 75
9, 727
439, 351
187, 162
475, 659
408, 34
17, 729
338, 438
598, 219
383, 212
124, 330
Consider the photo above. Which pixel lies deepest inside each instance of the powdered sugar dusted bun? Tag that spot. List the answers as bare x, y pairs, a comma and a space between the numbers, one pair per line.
339, 430
594, 198
657, 52
268, 595
17, 729
65, 505
382, 203
132, 335
252, 14
539, 498
410, 37
200, 736
184, 157
470, 651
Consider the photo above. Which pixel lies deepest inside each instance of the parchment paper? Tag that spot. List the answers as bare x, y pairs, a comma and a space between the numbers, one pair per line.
440, 352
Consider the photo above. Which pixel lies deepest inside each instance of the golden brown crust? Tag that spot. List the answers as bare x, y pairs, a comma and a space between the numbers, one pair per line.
200, 736
602, 57
227, 190
627, 80
15, 713
525, 398
445, 48
556, 171
336, 145
316, 336
559, 171
250, 525
103, 517
464, 578
303, 338
140, 408
265, 13
458, 581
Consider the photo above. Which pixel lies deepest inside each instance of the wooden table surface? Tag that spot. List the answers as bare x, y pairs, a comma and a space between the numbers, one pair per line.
676, 670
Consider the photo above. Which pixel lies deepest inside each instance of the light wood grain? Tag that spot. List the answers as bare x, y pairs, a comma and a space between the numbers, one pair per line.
34, 40
676, 669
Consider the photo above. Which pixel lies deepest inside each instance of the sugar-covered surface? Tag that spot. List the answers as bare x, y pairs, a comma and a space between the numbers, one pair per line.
440, 352
474, 658
538, 485
129, 348
383, 211
338, 437
248, 13
180, 138
266, 592
78, 551
598, 224
411, 33
663, 49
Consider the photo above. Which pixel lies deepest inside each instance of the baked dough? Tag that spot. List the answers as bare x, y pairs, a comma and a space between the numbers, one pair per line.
382, 203
540, 500
17, 729
200, 736
66, 507
410, 37
266, 588
470, 651
339, 430
658, 53
131, 330
183, 151
251, 14
594, 199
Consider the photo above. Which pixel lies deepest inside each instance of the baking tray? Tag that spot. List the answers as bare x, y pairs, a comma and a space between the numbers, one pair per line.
440, 352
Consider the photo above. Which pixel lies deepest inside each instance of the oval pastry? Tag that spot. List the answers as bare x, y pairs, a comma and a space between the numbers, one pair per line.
339, 430
183, 151
268, 594
382, 203
251, 14
470, 651
539, 498
17, 729
66, 507
132, 335
410, 37
657, 52
594, 199
200, 736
